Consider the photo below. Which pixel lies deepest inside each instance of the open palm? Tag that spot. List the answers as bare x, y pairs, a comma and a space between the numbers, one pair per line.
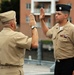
42, 14
32, 20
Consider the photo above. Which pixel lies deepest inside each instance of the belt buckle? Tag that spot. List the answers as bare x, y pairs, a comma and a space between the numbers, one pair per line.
58, 60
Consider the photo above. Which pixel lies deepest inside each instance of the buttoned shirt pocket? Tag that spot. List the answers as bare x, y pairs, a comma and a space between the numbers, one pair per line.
65, 41
64, 38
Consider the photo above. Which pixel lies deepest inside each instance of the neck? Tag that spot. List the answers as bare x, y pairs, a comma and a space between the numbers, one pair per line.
62, 23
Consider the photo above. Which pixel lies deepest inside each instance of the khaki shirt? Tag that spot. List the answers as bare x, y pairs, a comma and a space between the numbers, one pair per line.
12, 47
63, 40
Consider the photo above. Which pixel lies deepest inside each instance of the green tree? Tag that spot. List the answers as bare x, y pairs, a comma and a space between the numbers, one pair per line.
7, 5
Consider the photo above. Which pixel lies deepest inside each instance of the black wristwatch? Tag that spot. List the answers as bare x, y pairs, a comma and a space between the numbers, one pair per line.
33, 27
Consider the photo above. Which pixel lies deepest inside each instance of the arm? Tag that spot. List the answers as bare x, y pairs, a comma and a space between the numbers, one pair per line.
34, 32
42, 16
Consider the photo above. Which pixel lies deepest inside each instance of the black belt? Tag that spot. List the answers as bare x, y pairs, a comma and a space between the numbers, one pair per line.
62, 60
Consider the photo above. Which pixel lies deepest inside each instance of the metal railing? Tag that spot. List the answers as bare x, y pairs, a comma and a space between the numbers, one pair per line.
38, 10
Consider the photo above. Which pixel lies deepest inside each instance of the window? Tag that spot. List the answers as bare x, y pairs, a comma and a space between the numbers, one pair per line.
27, 19
28, 6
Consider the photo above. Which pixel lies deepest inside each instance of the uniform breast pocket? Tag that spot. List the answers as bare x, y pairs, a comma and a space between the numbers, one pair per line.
65, 42
64, 38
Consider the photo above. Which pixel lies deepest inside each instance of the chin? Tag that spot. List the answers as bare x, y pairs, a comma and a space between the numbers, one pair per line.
57, 21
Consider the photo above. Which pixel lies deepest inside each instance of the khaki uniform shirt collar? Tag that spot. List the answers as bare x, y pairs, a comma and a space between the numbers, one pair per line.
7, 29
64, 27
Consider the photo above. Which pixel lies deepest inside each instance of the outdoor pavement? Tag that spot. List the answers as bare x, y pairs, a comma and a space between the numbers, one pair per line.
32, 68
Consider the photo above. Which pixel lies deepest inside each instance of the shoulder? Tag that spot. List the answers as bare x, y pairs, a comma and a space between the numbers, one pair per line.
19, 34
56, 26
71, 26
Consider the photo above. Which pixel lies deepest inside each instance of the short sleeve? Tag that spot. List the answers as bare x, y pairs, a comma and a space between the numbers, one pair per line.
49, 33
23, 41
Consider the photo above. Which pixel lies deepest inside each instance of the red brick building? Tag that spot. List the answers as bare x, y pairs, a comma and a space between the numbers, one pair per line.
27, 6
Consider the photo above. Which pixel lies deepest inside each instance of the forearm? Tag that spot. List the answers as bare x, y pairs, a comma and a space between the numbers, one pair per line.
44, 27
32, 24
34, 38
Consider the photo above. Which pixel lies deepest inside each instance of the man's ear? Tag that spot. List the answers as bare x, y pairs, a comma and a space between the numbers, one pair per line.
66, 16
12, 25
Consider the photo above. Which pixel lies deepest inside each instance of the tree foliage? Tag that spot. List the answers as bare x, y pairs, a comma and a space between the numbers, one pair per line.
11, 5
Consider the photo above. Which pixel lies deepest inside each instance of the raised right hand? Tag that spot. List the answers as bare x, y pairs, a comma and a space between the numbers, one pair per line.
32, 20
42, 14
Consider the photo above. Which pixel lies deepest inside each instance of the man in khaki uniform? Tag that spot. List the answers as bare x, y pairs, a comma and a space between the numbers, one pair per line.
62, 35
13, 44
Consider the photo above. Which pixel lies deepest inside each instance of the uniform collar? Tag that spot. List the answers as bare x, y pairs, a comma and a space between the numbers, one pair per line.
6, 29
64, 27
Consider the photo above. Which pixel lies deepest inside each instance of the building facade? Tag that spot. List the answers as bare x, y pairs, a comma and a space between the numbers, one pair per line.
33, 6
